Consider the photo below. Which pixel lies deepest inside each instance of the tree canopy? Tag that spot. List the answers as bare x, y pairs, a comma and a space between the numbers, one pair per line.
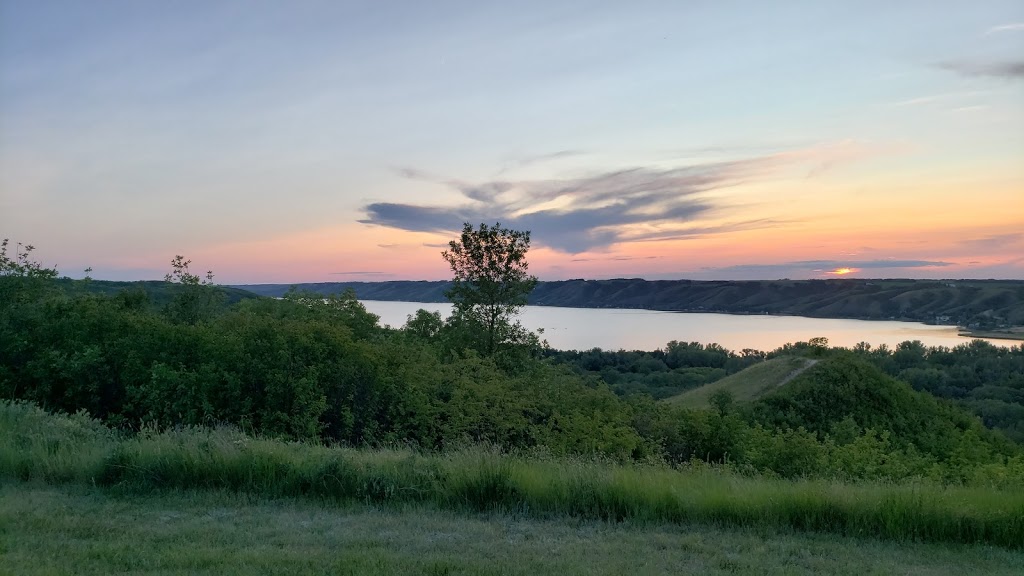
490, 281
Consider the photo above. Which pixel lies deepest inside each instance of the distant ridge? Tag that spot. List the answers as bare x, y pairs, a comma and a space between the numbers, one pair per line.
977, 304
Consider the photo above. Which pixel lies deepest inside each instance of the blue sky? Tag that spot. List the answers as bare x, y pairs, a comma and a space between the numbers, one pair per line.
304, 141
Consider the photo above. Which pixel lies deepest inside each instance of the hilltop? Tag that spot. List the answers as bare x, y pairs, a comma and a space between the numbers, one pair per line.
976, 304
819, 394
748, 384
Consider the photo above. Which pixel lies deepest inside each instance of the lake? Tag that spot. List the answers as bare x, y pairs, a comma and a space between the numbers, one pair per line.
612, 329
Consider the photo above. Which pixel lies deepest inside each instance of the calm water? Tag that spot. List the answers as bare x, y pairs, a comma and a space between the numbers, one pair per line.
612, 329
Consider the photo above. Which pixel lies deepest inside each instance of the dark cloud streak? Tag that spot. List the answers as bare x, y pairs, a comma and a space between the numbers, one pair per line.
831, 265
593, 212
993, 242
1009, 70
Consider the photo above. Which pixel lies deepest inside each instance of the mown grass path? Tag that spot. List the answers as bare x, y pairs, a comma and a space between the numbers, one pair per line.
80, 530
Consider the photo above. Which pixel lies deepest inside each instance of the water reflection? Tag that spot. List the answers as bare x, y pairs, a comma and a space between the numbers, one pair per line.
612, 329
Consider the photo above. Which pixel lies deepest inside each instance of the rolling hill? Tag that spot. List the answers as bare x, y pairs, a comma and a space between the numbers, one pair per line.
746, 385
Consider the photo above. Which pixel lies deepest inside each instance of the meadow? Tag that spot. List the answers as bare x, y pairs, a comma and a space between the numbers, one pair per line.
36, 447
47, 530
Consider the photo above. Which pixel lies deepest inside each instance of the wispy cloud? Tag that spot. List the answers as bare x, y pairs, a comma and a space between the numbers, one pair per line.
976, 108
917, 101
615, 259
579, 214
594, 212
540, 158
360, 273
1012, 27
993, 242
1010, 70
831, 266
941, 98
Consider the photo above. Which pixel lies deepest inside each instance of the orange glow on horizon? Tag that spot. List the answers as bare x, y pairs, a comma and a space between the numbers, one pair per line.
843, 271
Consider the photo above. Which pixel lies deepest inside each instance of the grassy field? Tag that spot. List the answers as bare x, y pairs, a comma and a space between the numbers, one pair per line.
63, 450
82, 530
749, 384
1016, 333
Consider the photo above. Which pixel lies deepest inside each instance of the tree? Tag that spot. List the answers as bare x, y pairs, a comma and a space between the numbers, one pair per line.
196, 299
490, 281
21, 277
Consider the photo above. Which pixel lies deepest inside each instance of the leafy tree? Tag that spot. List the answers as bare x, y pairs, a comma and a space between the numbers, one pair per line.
490, 283
424, 324
22, 265
21, 277
197, 299
722, 400
180, 274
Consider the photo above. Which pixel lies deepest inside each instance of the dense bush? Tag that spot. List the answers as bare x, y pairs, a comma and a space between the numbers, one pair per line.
303, 367
985, 379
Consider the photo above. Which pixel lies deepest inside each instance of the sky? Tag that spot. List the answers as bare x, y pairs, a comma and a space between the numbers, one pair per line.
323, 141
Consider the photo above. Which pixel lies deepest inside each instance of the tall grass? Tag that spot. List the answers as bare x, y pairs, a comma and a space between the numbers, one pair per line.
54, 449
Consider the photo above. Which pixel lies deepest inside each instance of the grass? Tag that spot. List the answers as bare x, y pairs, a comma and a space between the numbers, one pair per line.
82, 530
74, 450
746, 385
1014, 333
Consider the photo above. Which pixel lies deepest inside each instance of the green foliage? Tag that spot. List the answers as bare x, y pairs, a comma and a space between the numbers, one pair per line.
985, 379
22, 265
722, 401
490, 283
197, 300
747, 384
21, 277
679, 367
845, 392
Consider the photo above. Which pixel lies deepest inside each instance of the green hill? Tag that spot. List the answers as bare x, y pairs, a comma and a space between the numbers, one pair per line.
746, 385
845, 395
158, 292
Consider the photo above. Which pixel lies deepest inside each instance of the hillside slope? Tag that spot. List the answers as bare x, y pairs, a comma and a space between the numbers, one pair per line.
748, 384
845, 392
158, 292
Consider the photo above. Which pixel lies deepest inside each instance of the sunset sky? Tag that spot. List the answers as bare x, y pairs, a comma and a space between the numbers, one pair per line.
308, 141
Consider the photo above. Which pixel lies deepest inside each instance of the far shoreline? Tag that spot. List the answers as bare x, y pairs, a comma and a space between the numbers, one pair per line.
974, 307
1016, 333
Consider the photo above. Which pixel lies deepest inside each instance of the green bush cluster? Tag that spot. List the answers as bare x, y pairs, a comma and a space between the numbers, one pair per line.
985, 379
842, 418
303, 367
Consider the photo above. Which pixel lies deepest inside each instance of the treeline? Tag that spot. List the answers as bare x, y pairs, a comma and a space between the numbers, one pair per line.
309, 368
978, 304
984, 379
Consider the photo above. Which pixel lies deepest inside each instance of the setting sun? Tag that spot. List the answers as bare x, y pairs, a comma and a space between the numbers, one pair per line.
843, 271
